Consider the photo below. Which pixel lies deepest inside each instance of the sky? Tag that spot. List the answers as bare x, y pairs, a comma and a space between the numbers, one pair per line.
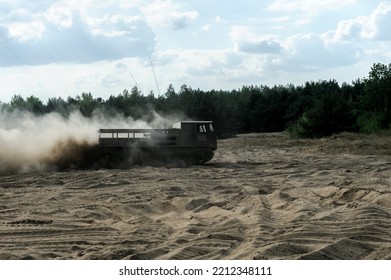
56, 48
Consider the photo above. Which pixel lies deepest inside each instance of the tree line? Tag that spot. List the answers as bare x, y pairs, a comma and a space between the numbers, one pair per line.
314, 109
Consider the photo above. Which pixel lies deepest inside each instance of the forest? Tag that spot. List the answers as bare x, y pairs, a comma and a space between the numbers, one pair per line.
312, 110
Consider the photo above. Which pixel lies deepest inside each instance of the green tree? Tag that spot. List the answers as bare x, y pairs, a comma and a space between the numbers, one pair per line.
86, 103
17, 103
35, 105
270, 109
31, 104
375, 102
57, 105
329, 114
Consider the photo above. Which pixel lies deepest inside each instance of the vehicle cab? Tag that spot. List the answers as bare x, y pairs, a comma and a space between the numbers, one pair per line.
197, 133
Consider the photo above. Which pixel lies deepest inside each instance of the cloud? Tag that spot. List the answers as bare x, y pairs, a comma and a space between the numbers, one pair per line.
198, 62
168, 14
206, 27
212, 63
23, 10
260, 46
24, 31
205, 69
71, 37
309, 52
61, 14
376, 26
309, 6
245, 40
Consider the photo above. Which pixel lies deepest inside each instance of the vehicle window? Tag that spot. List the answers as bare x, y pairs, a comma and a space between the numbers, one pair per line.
201, 128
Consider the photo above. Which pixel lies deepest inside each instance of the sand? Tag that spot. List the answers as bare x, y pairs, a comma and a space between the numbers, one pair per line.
263, 196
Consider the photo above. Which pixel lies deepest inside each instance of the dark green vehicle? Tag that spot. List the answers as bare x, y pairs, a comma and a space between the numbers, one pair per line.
186, 143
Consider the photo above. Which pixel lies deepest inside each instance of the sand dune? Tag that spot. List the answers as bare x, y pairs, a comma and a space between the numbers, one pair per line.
263, 196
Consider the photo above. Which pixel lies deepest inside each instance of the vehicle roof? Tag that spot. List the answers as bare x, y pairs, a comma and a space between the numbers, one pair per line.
194, 122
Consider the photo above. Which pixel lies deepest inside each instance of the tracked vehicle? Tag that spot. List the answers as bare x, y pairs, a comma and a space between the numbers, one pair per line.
186, 143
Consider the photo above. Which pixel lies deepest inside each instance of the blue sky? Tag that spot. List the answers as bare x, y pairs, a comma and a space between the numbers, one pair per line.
51, 48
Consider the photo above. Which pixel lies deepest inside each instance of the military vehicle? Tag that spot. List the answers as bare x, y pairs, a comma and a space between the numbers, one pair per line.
186, 143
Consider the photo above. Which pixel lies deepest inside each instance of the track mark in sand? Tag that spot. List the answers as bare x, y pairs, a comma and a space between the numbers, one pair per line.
332, 231
213, 233
344, 249
269, 223
55, 239
215, 245
146, 235
278, 249
30, 222
149, 255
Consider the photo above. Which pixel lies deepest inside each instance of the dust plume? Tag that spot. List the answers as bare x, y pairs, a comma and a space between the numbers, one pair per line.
51, 142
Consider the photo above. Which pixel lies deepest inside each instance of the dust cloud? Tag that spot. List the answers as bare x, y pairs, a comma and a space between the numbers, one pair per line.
30, 143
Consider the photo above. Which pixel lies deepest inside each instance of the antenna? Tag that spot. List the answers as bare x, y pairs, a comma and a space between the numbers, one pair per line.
154, 74
157, 85
135, 81
140, 92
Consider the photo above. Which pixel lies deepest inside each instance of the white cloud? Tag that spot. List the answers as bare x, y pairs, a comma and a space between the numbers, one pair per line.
218, 19
262, 46
245, 40
308, 52
303, 21
167, 13
126, 4
309, 6
17, 10
65, 33
60, 15
376, 26
206, 27
205, 69
202, 62
283, 19
24, 31
102, 78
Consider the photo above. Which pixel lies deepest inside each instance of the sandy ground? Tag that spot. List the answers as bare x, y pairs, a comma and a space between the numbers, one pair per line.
261, 197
